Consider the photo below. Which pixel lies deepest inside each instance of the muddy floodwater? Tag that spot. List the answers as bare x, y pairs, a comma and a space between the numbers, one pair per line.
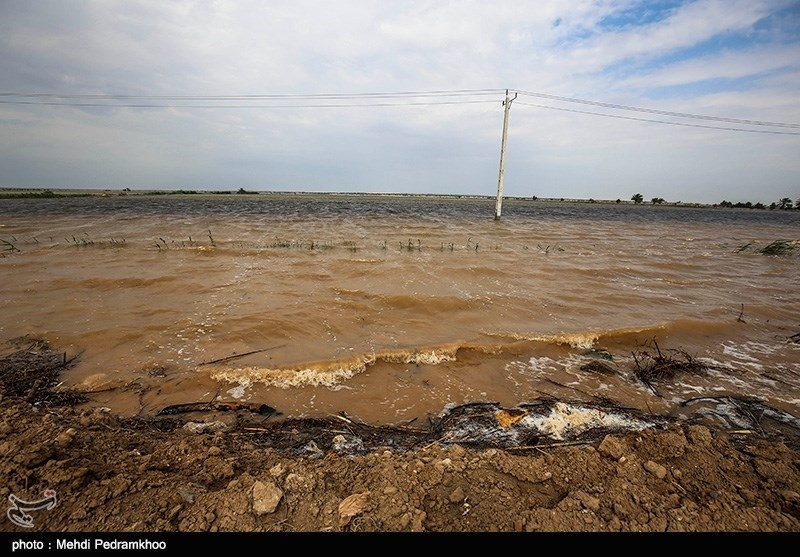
392, 308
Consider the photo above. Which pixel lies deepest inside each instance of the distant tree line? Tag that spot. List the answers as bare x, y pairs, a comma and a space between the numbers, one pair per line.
43, 194
784, 204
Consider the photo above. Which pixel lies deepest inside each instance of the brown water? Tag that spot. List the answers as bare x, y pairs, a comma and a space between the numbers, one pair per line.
390, 308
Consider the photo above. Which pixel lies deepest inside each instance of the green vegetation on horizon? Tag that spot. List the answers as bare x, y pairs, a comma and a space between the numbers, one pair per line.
785, 203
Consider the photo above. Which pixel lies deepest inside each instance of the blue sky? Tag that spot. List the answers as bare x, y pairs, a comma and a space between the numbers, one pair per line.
693, 101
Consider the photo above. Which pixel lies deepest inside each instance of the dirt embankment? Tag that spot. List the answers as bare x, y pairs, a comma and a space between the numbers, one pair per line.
479, 468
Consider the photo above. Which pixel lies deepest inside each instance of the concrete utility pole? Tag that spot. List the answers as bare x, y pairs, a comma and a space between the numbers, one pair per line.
499, 205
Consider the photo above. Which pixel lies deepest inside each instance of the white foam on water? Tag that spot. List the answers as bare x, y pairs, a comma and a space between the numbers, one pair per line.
238, 392
749, 351
565, 418
540, 365
584, 340
288, 378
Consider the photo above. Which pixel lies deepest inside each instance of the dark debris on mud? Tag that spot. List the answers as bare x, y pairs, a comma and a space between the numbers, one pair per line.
30, 371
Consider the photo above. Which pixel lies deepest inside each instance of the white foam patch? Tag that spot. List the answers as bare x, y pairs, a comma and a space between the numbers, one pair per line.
329, 374
584, 341
565, 418
429, 357
691, 388
538, 365
748, 353
571, 364
288, 378
238, 392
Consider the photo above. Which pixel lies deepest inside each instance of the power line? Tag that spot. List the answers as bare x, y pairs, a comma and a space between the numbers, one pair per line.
364, 100
250, 106
662, 112
687, 124
434, 93
323, 100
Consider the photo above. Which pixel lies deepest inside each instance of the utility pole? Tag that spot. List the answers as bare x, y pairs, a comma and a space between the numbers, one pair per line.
499, 205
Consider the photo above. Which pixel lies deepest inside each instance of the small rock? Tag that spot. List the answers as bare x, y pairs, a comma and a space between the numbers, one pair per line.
457, 451
277, 470
791, 496
173, 512
748, 495
612, 447
443, 464
65, 438
656, 469
418, 521
186, 494
588, 501
457, 496
265, 497
699, 435
297, 483
351, 506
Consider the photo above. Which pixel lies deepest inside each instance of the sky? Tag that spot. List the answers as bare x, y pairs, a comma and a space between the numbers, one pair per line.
687, 101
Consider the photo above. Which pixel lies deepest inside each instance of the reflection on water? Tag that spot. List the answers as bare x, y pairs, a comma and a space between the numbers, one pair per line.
390, 308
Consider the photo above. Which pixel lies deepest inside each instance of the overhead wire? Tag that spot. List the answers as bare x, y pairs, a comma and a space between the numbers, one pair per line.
386, 99
448, 93
322, 100
686, 124
661, 112
269, 106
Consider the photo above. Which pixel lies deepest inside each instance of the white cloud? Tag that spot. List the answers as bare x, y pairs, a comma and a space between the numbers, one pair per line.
757, 61
586, 49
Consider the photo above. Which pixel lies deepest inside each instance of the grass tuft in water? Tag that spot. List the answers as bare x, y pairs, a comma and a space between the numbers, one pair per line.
778, 247
85, 242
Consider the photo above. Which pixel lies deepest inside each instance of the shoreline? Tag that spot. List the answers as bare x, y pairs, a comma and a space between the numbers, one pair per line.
127, 475
480, 468
44, 192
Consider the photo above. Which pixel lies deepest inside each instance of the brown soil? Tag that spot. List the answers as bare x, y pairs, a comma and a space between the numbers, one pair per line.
241, 469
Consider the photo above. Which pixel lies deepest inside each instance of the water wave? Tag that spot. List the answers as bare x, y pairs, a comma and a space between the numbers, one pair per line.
104, 284
576, 339
589, 339
334, 372
330, 373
